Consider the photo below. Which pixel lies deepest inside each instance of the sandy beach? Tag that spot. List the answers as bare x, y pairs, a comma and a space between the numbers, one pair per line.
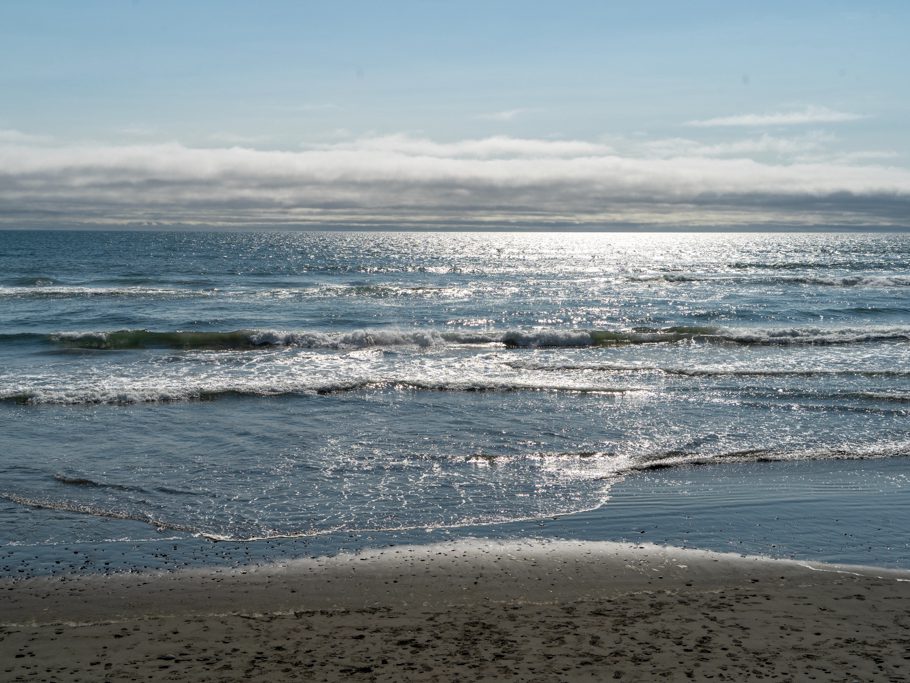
469, 610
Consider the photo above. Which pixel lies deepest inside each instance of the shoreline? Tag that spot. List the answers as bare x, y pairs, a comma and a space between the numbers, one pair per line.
837, 511
529, 609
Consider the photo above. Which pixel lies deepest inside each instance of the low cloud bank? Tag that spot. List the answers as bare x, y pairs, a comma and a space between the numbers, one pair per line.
413, 181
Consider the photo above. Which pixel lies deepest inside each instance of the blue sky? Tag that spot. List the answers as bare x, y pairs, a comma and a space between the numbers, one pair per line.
479, 112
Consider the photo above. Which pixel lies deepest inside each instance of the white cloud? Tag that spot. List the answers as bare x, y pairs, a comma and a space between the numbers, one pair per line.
400, 179
506, 115
867, 155
808, 115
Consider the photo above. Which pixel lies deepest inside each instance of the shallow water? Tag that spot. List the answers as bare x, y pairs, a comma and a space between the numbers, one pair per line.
313, 386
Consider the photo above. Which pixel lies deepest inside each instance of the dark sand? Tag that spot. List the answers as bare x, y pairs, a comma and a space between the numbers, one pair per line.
468, 611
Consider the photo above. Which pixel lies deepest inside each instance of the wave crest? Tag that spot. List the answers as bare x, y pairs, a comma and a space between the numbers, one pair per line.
520, 339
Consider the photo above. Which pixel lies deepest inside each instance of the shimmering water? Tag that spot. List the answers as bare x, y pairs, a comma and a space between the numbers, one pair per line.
297, 385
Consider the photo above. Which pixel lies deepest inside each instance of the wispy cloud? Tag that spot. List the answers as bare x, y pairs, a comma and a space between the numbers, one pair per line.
236, 139
746, 147
400, 179
10, 135
507, 115
809, 115
139, 131
307, 107
497, 146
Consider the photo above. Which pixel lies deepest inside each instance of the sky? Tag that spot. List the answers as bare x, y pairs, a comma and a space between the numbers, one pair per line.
459, 114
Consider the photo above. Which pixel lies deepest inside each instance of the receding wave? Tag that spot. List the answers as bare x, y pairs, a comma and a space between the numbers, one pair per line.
474, 386
619, 368
85, 482
97, 511
799, 393
99, 395
555, 338
605, 466
892, 396
619, 465
240, 536
378, 291
33, 281
682, 458
54, 291
143, 394
91, 483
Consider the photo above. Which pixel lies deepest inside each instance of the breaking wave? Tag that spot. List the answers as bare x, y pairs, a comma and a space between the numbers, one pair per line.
520, 339
871, 281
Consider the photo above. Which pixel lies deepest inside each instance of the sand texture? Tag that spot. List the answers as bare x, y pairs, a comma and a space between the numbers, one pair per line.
559, 611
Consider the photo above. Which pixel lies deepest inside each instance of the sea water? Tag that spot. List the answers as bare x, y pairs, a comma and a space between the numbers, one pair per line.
297, 388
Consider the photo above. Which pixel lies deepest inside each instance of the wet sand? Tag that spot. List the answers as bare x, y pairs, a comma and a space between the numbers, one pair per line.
471, 610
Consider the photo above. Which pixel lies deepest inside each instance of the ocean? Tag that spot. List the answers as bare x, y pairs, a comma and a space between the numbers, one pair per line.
173, 399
